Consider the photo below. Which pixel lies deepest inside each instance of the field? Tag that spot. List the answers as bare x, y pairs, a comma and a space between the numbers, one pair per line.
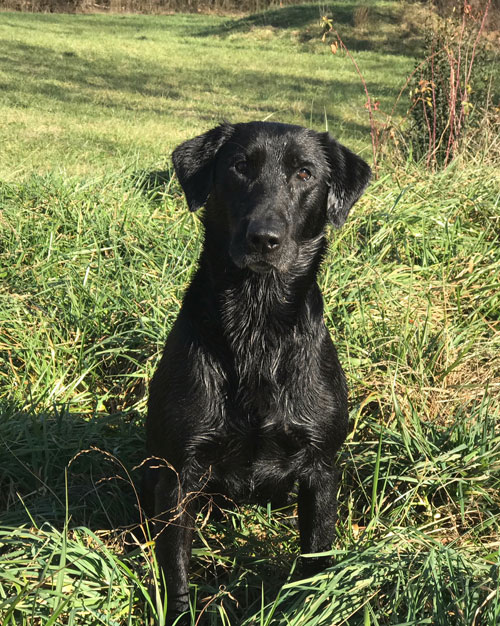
96, 249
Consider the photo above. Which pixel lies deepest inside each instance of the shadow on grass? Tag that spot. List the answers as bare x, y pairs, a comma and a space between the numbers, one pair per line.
306, 20
57, 465
53, 460
76, 82
290, 17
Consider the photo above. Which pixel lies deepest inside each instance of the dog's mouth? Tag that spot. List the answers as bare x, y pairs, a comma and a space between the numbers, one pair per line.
257, 265
260, 266
263, 264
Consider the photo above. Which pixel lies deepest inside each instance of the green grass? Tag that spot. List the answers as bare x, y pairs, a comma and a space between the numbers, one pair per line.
81, 93
93, 265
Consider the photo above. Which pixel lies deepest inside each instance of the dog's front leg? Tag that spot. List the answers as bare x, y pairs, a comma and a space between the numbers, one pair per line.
317, 504
174, 524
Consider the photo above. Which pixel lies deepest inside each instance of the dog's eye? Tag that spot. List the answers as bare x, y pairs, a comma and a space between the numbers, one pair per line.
304, 174
241, 166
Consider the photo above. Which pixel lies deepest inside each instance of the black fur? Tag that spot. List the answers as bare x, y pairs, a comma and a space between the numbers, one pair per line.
249, 397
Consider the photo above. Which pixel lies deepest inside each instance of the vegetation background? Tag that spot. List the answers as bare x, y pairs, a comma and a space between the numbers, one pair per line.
97, 247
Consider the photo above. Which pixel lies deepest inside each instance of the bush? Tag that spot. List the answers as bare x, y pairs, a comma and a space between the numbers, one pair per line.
144, 6
451, 91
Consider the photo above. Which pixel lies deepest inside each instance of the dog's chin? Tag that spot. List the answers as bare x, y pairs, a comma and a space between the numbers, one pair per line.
256, 265
281, 263
260, 267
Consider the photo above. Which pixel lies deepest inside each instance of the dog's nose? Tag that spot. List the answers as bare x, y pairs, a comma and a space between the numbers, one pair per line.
263, 238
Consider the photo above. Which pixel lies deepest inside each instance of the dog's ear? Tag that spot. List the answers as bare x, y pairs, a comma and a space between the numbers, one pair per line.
349, 177
194, 161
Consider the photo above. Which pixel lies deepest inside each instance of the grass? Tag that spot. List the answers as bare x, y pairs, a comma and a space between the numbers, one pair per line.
95, 254
83, 93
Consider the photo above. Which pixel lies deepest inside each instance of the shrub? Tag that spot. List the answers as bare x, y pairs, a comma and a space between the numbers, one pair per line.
144, 6
450, 91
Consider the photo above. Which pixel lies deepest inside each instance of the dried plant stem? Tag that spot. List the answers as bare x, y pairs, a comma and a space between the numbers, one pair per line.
373, 126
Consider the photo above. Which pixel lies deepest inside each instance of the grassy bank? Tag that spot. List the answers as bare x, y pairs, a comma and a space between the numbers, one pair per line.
96, 249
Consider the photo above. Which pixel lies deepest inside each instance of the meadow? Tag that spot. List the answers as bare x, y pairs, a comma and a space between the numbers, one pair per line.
96, 249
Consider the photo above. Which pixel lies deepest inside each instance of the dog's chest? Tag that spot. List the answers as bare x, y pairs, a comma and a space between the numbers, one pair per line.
265, 430
251, 456
268, 395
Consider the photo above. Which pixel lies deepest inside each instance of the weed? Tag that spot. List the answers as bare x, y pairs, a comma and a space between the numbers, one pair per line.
450, 92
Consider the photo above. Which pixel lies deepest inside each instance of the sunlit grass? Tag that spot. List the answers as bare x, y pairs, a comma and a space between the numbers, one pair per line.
93, 275
96, 250
81, 93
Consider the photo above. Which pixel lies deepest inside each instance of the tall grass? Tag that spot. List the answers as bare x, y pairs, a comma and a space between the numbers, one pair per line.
93, 275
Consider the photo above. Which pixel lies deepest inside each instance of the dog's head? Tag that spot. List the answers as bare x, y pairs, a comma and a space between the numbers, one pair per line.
269, 188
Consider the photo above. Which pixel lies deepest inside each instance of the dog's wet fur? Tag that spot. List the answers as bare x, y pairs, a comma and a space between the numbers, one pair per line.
249, 398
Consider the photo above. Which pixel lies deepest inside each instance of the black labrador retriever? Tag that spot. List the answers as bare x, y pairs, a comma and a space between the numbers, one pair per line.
249, 397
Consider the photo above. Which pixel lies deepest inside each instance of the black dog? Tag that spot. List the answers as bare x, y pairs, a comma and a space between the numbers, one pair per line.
249, 397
